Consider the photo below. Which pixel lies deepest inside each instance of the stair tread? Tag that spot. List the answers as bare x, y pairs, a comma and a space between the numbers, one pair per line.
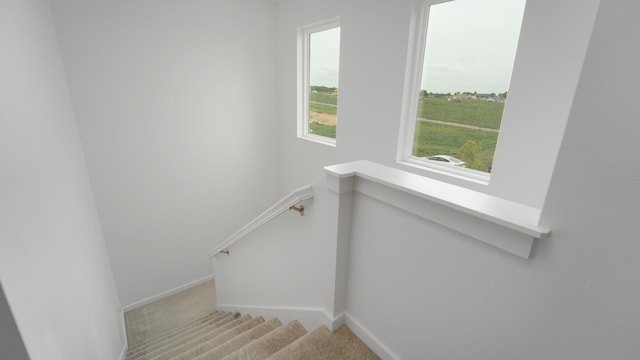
230, 336
177, 333
159, 346
178, 346
341, 344
269, 343
239, 341
219, 340
172, 332
346, 345
305, 347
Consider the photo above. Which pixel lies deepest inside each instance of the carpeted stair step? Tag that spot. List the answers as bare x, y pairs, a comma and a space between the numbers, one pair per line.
311, 346
227, 336
148, 342
341, 344
170, 336
270, 343
154, 348
177, 346
239, 341
219, 340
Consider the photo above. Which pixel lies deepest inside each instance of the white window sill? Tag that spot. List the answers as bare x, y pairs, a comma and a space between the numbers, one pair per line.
319, 139
465, 174
505, 224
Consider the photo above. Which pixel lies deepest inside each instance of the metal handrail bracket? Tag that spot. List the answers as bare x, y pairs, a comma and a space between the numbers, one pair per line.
288, 202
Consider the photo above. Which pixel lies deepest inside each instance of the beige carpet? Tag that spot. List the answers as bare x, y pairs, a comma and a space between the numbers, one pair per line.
172, 311
233, 337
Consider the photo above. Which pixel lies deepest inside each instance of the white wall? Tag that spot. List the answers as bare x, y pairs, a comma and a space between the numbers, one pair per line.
428, 292
551, 50
54, 267
288, 263
373, 58
373, 53
11, 344
291, 263
176, 104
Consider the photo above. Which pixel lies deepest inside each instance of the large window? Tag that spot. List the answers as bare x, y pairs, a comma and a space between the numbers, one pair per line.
464, 55
318, 68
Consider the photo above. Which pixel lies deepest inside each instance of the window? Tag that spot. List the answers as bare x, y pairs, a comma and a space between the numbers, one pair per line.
318, 68
458, 87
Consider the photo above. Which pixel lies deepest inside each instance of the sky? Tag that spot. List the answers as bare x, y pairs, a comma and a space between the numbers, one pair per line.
324, 58
471, 45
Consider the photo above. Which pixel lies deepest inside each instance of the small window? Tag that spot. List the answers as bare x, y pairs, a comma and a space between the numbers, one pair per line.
463, 59
318, 68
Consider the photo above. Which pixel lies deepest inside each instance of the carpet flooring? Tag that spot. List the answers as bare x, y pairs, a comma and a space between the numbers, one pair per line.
229, 336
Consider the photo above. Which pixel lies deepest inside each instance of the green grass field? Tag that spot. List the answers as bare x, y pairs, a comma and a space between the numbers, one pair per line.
431, 138
323, 102
474, 112
322, 130
325, 98
323, 108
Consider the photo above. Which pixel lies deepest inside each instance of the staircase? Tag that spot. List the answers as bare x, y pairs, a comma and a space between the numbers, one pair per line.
229, 336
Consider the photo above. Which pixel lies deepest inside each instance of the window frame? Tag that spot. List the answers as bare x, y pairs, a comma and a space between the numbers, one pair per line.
413, 76
304, 85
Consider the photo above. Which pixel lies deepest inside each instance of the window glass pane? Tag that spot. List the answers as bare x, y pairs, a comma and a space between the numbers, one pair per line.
469, 53
324, 61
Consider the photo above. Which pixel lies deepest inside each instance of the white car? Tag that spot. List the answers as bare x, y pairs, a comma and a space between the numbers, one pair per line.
447, 160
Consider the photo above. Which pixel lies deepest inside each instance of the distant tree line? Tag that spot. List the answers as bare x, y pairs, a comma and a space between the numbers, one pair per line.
425, 93
322, 88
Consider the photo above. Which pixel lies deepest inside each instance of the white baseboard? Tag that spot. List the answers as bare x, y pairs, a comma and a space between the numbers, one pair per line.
123, 353
161, 295
368, 338
338, 321
310, 318
124, 334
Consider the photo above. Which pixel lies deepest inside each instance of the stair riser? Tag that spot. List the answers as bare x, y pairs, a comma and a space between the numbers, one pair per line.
231, 337
206, 321
188, 337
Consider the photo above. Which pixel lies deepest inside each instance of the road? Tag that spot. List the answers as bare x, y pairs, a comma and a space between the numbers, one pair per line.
320, 103
458, 125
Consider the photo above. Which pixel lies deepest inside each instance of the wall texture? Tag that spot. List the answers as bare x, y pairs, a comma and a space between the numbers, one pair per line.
427, 291
434, 291
179, 137
11, 344
54, 267
373, 60
288, 263
175, 102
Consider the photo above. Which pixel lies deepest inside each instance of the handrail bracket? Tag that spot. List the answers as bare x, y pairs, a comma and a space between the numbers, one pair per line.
299, 209
293, 198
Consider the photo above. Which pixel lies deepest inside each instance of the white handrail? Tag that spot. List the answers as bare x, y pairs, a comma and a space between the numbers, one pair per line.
293, 198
